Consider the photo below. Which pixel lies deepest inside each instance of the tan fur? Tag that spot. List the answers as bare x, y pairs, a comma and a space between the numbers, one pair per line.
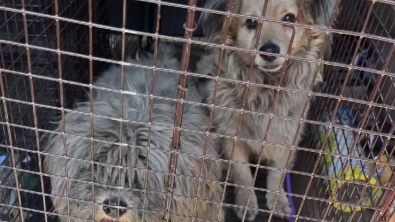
236, 65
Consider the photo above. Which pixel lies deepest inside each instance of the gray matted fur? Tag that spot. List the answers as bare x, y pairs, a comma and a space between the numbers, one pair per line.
236, 65
131, 181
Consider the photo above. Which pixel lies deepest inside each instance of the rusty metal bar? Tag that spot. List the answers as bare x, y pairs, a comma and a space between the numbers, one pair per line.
190, 27
61, 98
220, 60
90, 42
32, 96
158, 13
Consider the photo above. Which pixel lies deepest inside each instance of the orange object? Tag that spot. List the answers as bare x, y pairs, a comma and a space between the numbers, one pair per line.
392, 218
390, 212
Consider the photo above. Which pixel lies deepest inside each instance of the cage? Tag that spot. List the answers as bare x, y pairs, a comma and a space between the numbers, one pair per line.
51, 51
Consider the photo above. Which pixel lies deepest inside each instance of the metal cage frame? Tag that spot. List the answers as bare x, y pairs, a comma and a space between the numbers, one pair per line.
46, 65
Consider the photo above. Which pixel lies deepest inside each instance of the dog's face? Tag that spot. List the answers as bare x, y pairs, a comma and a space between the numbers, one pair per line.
101, 203
274, 38
106, 203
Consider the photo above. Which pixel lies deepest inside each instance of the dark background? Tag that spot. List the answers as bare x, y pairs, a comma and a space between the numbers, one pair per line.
141, 16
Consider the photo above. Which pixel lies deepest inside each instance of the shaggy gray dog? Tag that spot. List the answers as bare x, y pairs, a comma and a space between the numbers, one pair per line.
267, 69
118, 167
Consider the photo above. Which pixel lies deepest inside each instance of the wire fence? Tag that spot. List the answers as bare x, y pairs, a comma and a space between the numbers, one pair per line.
52, 51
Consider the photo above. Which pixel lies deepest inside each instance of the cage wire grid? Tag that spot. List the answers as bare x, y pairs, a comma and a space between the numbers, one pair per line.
51, 50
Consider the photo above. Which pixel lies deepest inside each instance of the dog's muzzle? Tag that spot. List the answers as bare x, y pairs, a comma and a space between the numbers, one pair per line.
112, 209
270, 48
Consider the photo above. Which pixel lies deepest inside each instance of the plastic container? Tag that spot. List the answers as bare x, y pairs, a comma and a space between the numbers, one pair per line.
340, 141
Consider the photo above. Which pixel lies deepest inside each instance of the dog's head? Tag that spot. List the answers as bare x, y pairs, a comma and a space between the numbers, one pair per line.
274, 37
113, 196
103, 203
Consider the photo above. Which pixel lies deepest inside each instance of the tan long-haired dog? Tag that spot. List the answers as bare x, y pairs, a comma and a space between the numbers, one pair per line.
267, 69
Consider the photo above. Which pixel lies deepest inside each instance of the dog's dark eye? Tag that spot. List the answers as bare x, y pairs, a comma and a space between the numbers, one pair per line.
289, 18
251, 24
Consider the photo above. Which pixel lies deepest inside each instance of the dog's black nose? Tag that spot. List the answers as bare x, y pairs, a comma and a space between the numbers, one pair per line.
271, 48
111, 209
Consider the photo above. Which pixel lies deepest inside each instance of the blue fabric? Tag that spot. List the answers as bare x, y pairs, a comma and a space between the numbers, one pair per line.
2, 159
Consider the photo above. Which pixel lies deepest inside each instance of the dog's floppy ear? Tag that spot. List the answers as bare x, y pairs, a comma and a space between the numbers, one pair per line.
321, 11
211, 23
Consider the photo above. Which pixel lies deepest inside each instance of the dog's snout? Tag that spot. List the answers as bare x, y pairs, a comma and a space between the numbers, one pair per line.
111, 207
270, 48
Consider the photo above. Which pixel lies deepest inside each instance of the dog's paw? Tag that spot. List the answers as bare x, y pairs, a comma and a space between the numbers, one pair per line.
241, 200
250, 215
282, 204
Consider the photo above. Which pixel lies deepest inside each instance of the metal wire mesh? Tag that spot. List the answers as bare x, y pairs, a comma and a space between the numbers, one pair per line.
52, 50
